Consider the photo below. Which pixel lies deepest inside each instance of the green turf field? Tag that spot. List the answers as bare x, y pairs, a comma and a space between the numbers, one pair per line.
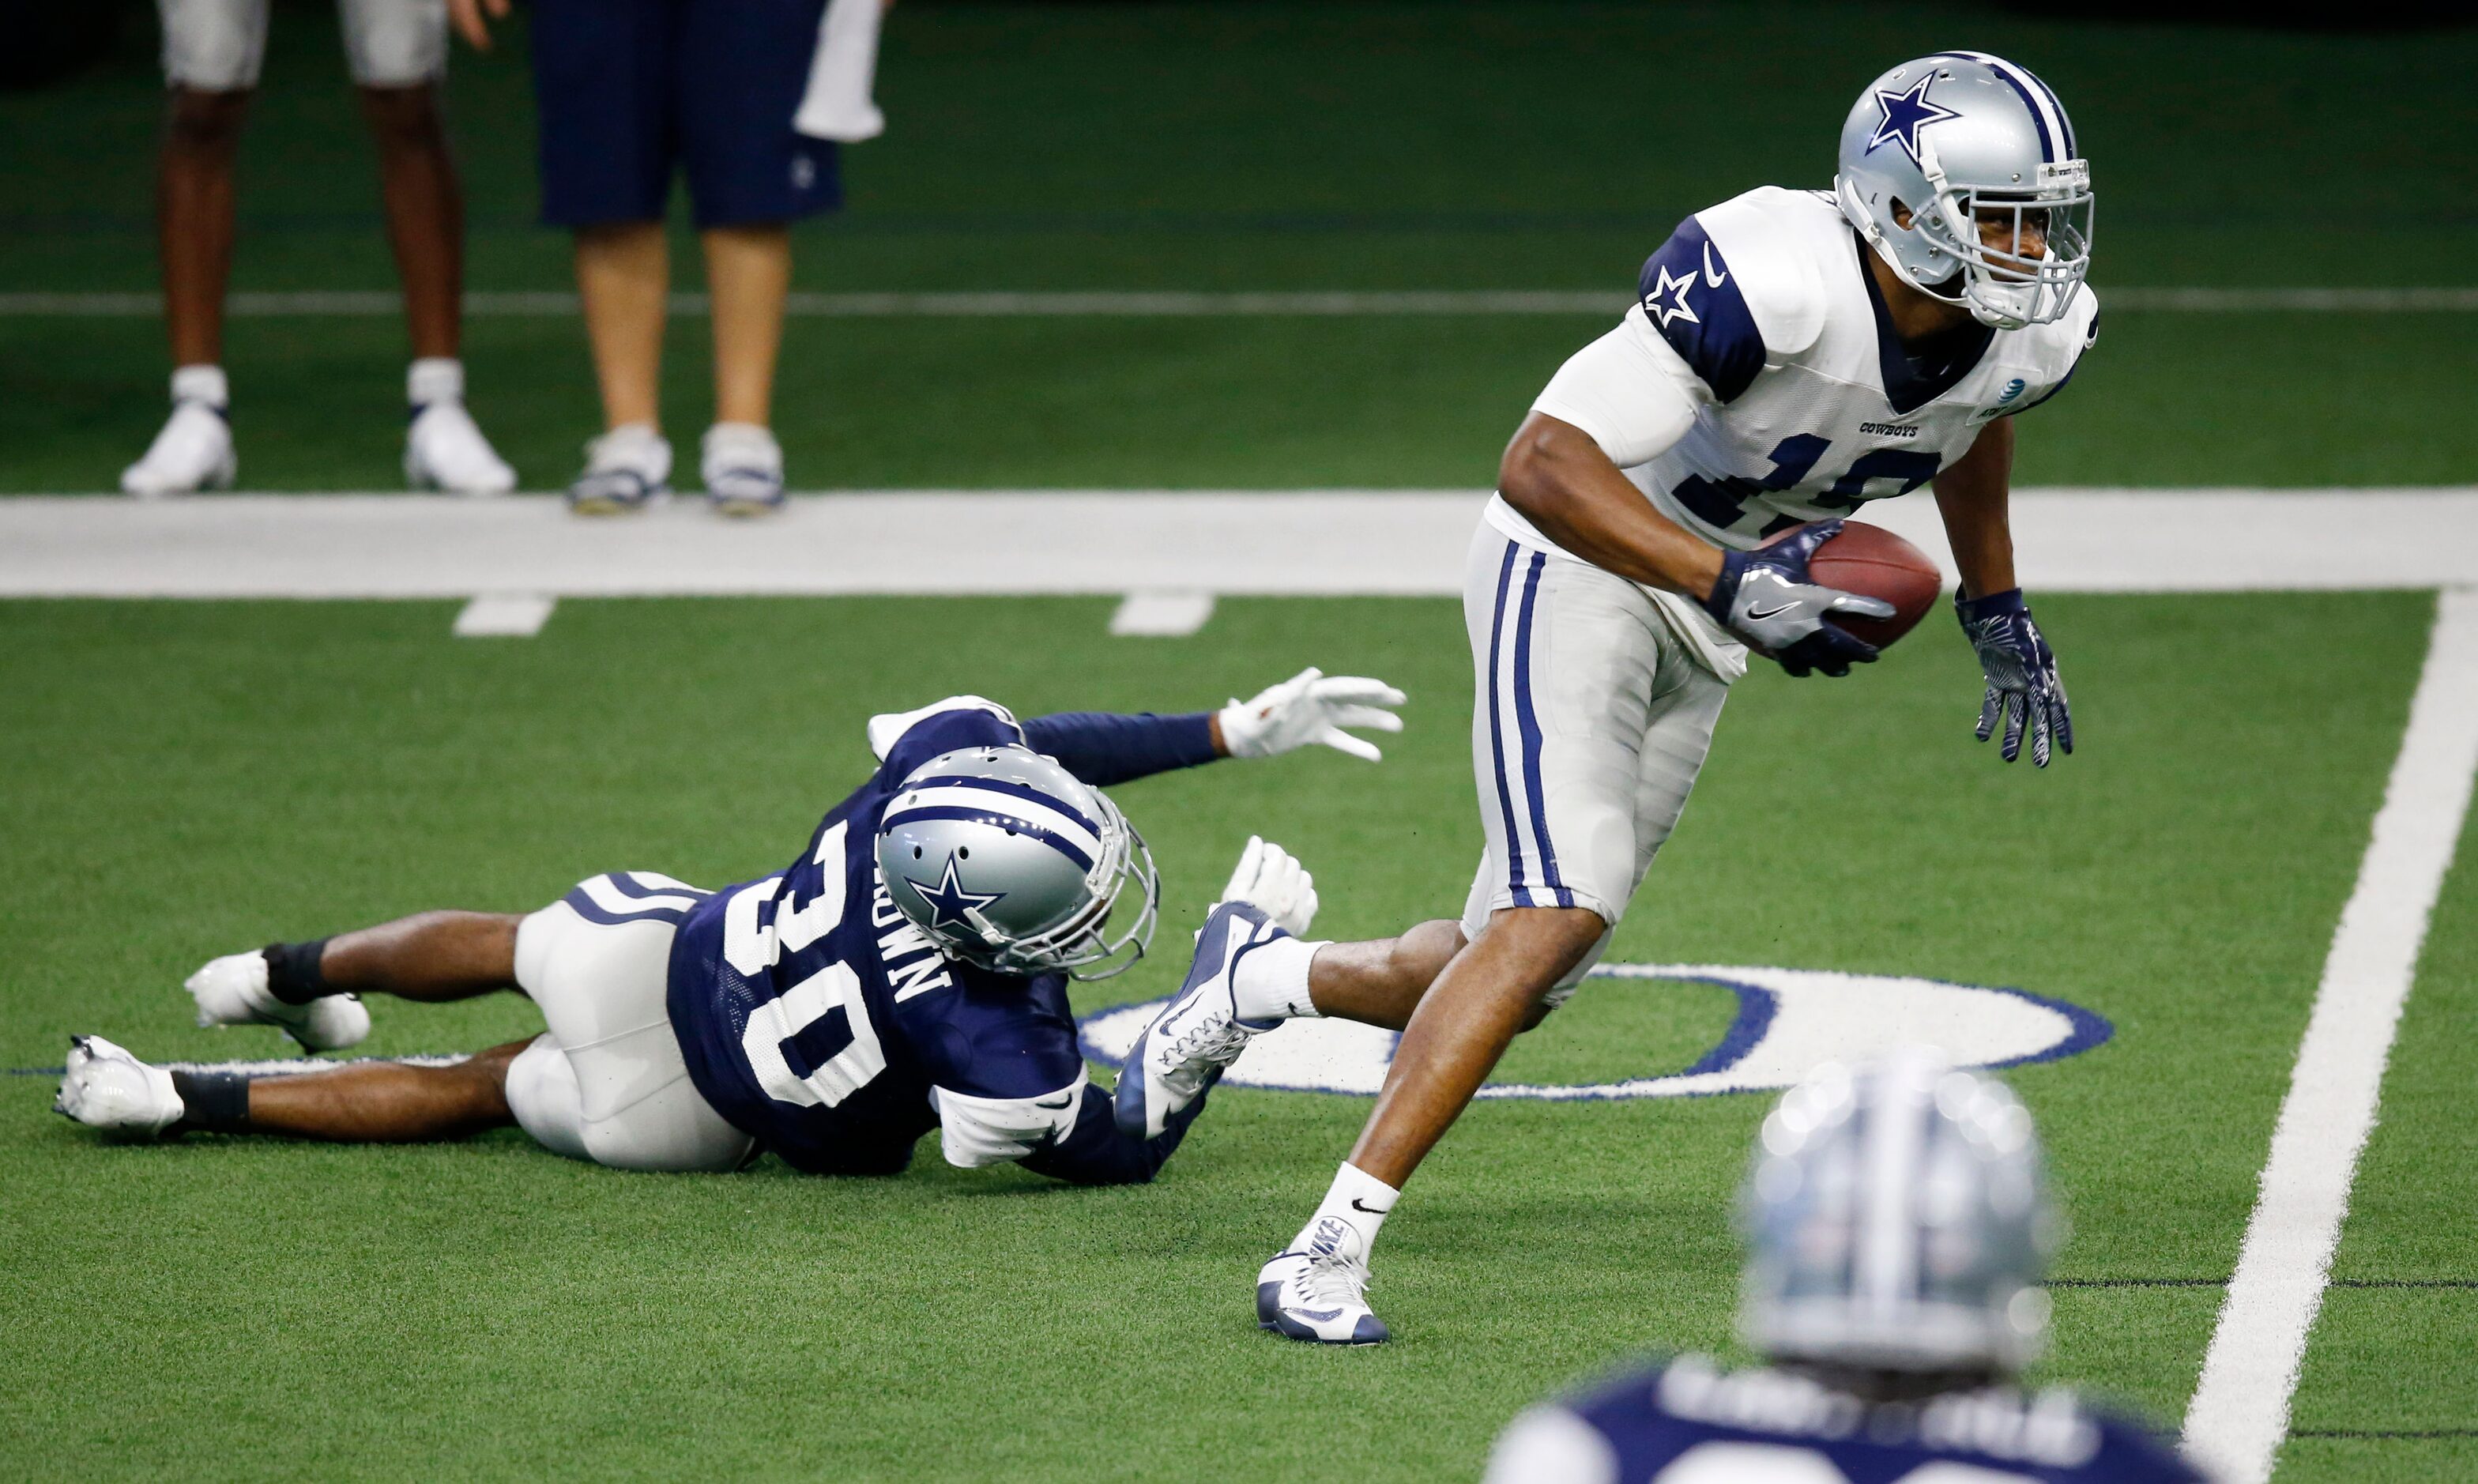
1291, 146
179, 780
211, 775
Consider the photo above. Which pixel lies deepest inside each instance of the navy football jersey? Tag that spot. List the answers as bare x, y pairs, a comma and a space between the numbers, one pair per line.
817, 1019
1690, 1423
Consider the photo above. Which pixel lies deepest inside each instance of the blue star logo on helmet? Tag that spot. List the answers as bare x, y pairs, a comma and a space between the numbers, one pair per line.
951, 902
1906, 114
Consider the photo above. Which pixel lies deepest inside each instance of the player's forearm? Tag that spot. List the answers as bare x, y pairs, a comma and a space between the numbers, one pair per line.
1097, 1153
1975, 498
1558, 478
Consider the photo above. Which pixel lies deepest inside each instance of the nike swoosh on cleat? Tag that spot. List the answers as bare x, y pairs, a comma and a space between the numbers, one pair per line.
1756, 615
1321, 1315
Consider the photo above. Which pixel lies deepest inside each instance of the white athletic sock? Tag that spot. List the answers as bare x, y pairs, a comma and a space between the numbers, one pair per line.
1359, 1199
1272, 982
201, 383
434, 379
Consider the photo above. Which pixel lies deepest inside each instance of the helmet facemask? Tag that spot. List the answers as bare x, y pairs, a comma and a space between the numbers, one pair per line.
2005, 289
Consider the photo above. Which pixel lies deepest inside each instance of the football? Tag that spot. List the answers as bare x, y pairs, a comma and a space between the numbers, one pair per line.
1875, 562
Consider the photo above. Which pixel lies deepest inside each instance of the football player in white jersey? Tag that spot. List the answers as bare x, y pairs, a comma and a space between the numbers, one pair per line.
1794, 355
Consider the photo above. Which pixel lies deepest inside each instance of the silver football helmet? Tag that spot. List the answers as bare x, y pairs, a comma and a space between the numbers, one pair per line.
1940, 147
1005, 860
1899, 1222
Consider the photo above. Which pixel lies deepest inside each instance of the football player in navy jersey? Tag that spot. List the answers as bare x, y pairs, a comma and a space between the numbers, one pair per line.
1791, 355
1900, 1231
906, 971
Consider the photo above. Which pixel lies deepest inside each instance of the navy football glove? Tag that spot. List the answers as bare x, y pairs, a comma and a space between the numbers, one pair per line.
2022, 684
1764, 598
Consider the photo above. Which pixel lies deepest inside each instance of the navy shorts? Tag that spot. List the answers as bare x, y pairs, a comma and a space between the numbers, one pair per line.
632, 91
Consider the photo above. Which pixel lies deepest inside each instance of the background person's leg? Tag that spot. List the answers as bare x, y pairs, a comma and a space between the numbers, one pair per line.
748, 273
425, 211
623, 275
194, 188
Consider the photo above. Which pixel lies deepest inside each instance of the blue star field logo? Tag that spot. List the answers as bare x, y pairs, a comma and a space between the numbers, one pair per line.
949, 901
1906, 114
1673, 290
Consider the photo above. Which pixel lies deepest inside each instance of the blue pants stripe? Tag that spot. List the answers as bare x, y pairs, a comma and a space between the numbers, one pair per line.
1497, 734
1528, 720
592, 911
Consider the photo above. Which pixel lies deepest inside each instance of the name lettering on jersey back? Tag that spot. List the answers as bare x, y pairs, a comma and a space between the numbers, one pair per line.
2048, 1429
914, 966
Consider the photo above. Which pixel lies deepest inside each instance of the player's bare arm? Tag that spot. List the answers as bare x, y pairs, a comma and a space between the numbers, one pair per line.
1974, 496
1557, 476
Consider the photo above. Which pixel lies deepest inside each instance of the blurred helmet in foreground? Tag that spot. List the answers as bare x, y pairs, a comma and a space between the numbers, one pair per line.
1010, 862
1899, 1222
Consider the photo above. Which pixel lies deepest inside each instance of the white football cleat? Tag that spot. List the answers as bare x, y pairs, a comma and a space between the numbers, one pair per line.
742, 468
107, 1088
193, 452
624, 471
444, 450
1198, 1033
1321, 1295
232, 990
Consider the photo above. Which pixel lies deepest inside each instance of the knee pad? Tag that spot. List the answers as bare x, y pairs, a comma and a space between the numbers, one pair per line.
543, 1093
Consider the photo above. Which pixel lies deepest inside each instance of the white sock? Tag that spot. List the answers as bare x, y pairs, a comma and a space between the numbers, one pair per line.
1358, 1199
201, 383
434, 379
1272, 982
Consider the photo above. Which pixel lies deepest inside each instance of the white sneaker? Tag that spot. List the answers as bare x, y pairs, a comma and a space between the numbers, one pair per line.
232, 990
742, 468
107, 1088
1321, 1295
444, 450
193, 452
1199, 1034
624, 471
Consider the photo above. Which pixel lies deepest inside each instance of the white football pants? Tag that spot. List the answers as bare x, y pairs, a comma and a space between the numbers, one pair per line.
607, 1081
217, 46
1590, 721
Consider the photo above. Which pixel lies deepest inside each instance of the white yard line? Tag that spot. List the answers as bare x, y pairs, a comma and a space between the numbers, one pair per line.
1162, 615
2240, 1413
366, 303
504, 615
1329, 543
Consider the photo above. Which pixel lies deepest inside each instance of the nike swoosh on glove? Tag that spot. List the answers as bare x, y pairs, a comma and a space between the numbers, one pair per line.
1311, 707
1763, 596
2022, 684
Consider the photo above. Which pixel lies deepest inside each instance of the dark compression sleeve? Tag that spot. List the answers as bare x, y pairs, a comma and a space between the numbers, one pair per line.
1103, 749
1097, 1153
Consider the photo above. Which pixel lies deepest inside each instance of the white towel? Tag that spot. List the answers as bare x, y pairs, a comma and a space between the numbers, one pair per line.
837, 105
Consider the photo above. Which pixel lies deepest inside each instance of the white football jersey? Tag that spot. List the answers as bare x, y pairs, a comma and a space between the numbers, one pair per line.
1805, 404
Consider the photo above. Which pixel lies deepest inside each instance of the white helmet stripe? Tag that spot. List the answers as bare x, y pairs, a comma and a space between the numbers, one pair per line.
960, 794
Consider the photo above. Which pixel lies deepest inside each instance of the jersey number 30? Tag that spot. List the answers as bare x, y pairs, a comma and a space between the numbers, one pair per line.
823, 1020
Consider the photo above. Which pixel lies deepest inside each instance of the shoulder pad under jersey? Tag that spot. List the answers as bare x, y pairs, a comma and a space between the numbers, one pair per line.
887, 728
1737, 288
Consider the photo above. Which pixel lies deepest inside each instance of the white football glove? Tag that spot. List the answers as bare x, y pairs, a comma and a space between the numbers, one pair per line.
1311, 707
1272, 880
